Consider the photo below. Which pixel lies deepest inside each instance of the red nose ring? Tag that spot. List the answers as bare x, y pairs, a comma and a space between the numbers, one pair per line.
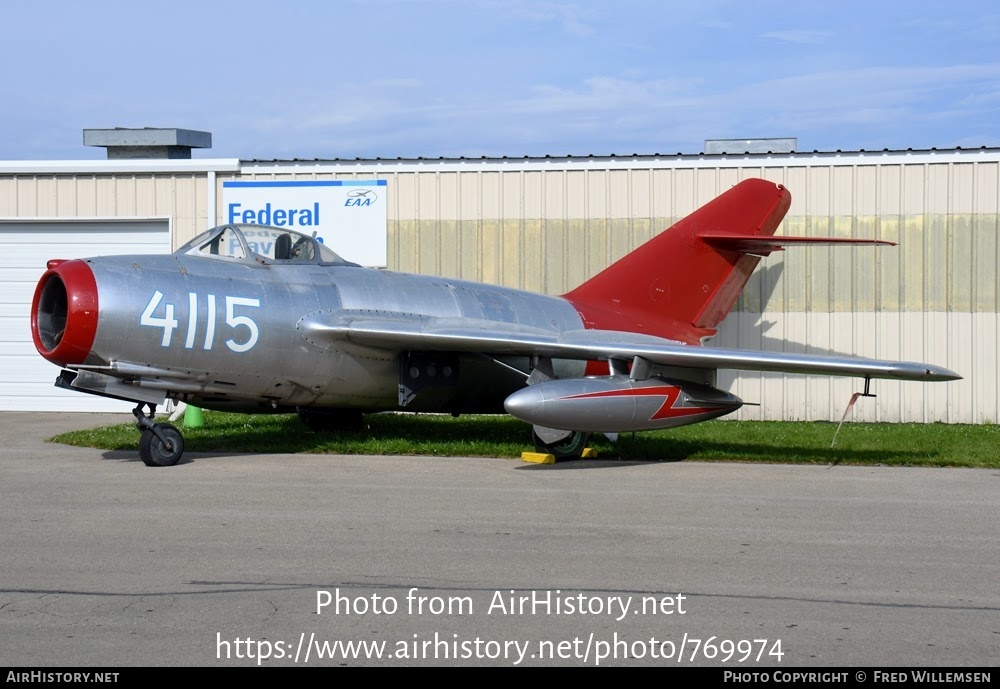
64, 312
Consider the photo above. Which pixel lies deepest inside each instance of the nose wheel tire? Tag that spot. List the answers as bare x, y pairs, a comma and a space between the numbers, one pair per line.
155, 453
570, 447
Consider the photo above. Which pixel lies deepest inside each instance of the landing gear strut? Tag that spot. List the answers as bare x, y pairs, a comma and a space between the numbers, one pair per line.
160, 445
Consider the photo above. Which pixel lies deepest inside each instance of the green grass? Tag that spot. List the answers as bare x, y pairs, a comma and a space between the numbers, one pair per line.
487, 436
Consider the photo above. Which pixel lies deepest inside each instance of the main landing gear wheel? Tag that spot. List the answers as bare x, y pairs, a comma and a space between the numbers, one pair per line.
160, 445
155, 453
570, 447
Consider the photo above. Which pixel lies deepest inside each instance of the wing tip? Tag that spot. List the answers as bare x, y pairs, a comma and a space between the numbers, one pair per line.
938, 373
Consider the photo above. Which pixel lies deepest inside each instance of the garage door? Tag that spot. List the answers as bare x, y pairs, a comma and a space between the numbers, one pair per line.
26, 379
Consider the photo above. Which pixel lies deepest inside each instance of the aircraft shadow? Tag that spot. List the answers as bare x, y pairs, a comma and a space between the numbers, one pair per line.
627, 452
754, 299
680, 450
188, 458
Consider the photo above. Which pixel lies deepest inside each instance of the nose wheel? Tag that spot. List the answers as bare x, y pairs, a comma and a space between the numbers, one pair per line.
160, 445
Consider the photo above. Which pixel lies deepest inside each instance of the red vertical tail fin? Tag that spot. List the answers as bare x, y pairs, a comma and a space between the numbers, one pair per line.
683, 282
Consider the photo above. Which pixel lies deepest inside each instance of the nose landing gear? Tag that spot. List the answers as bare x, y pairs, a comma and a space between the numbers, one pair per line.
160, 445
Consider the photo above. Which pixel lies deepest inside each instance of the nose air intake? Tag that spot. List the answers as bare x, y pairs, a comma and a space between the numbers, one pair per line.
64, 312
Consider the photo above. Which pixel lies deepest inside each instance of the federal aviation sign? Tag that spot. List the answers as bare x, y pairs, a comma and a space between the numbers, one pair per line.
349, 216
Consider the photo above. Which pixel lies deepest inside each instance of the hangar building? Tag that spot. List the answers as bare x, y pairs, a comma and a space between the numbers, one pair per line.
548, 223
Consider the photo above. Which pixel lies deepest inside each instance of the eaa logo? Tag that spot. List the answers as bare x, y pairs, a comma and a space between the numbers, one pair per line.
360, 197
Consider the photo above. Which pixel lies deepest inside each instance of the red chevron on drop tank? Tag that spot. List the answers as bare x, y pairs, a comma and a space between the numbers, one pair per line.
671, 396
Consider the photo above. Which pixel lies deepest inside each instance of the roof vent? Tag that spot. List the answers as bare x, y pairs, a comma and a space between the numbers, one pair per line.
148, 142
732, 146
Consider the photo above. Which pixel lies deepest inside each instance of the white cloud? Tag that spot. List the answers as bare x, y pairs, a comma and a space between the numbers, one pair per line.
802, 36
571, 17
399, 82
605, 114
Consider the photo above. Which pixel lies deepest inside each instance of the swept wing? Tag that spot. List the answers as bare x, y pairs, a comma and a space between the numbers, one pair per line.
595, 345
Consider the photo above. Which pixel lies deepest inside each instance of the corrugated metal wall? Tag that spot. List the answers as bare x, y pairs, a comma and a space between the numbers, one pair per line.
179, 196
549, 230
547, 225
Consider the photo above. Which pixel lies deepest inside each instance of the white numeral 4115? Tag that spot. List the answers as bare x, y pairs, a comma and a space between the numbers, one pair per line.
247, 339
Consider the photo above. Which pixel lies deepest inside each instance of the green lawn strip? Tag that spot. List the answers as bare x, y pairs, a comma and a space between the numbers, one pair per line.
498, 436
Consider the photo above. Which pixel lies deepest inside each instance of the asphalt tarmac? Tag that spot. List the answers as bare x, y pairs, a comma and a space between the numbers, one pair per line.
228, 559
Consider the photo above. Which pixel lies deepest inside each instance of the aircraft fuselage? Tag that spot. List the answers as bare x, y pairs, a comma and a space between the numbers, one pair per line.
234, 332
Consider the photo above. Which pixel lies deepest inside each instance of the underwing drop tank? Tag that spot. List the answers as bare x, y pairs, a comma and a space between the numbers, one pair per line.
614, 404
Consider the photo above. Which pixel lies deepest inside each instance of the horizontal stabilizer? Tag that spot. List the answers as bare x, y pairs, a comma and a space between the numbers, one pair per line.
763, 245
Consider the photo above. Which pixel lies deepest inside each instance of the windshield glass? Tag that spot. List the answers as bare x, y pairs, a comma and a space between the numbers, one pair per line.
264, 243
279, 244
218, 241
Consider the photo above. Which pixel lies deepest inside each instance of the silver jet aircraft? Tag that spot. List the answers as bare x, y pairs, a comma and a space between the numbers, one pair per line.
252, 318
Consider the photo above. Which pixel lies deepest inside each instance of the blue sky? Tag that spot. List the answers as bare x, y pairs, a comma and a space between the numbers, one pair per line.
436, 78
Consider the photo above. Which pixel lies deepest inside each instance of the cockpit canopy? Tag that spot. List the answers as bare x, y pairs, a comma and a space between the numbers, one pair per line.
261, 244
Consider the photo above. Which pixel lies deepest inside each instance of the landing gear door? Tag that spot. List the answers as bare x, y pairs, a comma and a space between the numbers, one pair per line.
427, 379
